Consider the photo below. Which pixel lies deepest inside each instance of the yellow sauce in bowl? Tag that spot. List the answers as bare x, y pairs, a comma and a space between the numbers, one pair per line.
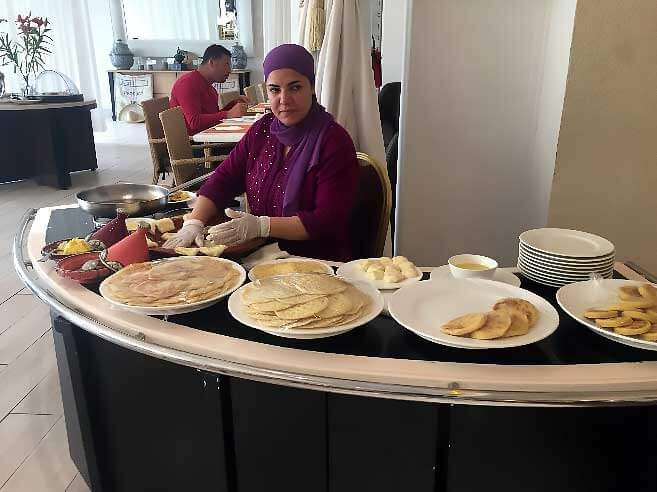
472, 266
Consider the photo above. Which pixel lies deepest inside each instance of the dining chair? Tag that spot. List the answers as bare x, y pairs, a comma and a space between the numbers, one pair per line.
262, 92
226, 97
181, 152
156, 140
252, 93
371, 215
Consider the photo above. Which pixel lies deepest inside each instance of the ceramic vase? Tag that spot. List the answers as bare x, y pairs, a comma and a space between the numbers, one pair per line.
238, 56
121, 56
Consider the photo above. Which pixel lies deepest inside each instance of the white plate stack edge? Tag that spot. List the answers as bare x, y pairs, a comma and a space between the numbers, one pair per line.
557, 257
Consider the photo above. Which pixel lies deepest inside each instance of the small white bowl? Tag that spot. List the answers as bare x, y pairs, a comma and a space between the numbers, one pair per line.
458, 272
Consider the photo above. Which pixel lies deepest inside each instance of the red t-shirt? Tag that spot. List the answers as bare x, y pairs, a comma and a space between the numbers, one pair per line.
199, 102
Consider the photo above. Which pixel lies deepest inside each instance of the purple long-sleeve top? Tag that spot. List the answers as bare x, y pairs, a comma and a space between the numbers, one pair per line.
258, 166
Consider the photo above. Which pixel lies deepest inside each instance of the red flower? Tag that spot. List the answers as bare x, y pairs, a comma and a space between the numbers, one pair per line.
38, 21
19, 18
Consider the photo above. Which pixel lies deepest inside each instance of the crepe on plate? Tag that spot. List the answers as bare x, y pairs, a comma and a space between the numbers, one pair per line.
304, 300
284, 267
174, 281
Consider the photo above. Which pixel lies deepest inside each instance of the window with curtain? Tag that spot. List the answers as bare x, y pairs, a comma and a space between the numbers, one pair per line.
177, 19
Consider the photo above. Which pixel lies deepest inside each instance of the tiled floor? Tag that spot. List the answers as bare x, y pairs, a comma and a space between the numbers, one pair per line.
34, 453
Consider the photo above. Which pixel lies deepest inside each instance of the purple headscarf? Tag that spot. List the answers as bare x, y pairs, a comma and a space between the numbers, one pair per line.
308, 134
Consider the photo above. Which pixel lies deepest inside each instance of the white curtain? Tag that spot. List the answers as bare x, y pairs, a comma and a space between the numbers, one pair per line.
303, 25
276, 23
73, 51
345, 82
172, 19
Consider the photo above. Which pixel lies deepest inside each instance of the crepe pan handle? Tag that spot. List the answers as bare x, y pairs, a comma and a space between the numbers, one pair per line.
189, 183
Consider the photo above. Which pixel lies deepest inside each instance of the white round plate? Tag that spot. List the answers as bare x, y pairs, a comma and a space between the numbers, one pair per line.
559, 273
563, 266
538, 271
567, 242
576, 298
190, 196
501, 275
351, 271
327, 268
561, 260
180, 308
425, 306
548, 281
237, 310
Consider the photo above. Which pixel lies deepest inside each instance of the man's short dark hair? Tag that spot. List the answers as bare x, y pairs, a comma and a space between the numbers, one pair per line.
214, 51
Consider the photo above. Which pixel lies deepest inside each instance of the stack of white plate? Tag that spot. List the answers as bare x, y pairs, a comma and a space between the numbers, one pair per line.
556, 257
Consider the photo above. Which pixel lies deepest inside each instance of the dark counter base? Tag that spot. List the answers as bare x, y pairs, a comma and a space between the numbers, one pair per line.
136, 423
46, 144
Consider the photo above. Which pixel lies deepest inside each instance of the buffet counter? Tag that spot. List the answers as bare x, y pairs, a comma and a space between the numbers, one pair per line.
377, 408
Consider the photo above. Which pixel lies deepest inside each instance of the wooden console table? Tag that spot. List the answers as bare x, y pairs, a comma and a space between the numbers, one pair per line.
163, 81
46, 141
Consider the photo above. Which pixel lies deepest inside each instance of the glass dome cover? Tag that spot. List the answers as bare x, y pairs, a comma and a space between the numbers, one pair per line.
54, 85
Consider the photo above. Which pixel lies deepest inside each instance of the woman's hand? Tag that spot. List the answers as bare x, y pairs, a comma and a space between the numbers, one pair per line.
242, 227
191, 232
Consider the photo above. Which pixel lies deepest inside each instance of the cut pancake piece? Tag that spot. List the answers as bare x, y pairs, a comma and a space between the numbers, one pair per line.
497, 324
637, 327
525, 307
614, 322
648, 291
464, 325
519, 323
628, 292
600, 313
647, 315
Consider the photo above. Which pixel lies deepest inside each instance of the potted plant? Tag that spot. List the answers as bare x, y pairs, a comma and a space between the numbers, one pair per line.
27, 54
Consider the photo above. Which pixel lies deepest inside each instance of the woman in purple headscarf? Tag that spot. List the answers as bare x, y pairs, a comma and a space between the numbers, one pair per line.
297, 166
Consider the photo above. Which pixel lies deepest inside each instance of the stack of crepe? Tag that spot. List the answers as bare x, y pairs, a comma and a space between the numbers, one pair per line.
284, 267
304, 300
170, 282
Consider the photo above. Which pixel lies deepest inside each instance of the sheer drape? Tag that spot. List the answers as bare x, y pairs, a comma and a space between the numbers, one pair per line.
73, 45
345, 84
276, 23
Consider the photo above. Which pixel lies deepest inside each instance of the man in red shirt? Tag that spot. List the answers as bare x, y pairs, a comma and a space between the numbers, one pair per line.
199, 100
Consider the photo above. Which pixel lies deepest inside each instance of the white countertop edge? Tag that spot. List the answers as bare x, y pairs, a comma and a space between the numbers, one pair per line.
575, 378
43, 105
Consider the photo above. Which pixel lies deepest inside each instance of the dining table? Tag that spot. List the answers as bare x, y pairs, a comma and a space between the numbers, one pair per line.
200, 401
230, 130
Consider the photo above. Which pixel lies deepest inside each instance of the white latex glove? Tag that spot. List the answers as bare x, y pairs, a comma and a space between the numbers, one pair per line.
242, 228
191, 232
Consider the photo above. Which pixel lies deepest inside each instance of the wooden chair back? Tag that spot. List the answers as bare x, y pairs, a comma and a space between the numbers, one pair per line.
252, 93
371, 215
226, 97
155, 132
178, 144
262, 92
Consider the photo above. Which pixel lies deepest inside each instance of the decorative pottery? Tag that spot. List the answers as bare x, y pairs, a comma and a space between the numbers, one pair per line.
179, 57
238, 56
121, 56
